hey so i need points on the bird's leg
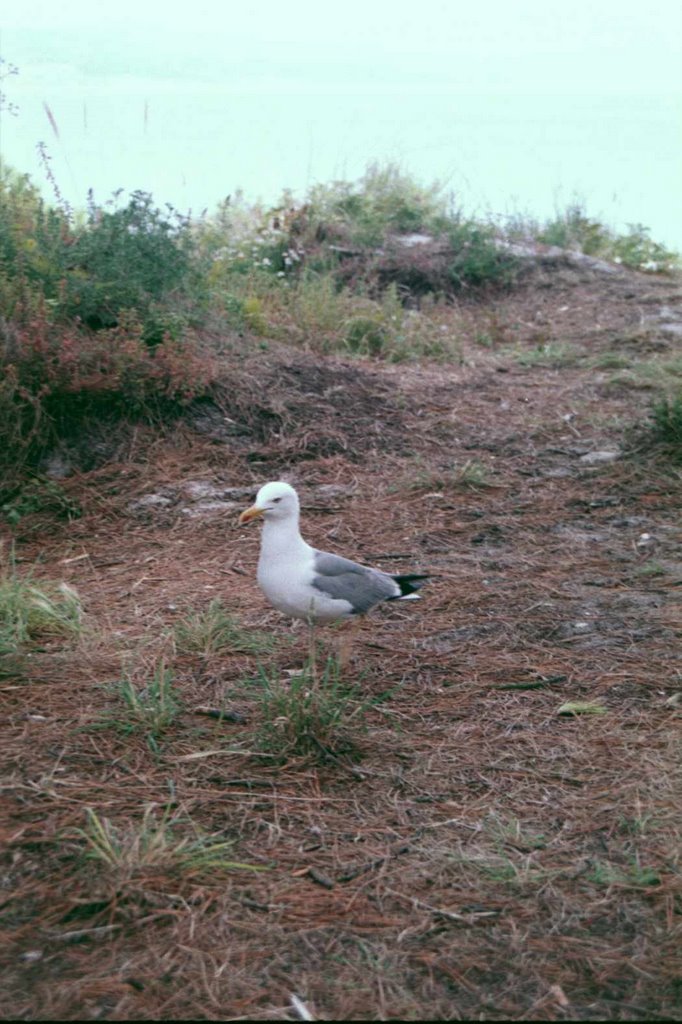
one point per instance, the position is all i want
(345, 649)
(312, 652)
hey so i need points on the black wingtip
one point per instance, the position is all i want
(410, 583)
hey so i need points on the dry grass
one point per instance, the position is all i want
(482, 855)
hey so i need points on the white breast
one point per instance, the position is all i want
(288, 587)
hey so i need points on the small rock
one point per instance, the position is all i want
(568, 630)
(621, 521)
(58, 466)
(195, 490)
(331, 491)
(671, 329)
(581, 259)
(668, 313)
(597, 458)
(31, 956)
(238, 493)
(645, 541)
(199, 490)
(204, 508)
(409, 241)
(150, 501)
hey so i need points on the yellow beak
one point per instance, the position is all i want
(249, 514)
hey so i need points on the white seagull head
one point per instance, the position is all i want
(275, 500)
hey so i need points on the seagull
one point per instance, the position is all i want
(313, 585)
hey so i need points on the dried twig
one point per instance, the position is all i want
(450, 915)
(300, 1009)
(362, 869)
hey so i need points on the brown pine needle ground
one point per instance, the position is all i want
(475, 854)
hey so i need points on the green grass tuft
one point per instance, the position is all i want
(666, 428)
(39, 494)
(149, 709)
(155, 844)
(470, 475)
(312, 716)
(31, 611)
(551, 354)
(215, 631)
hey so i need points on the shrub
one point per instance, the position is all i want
(238, 241)
(384, 201)
(636, 249)
(366, 335)
(93, 270)
(52, 362)
(57, 378)
(574, 229)
(477, 260)
(130, 258)
(33, 239)
(352, 234)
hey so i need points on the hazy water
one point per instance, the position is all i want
(193, 142)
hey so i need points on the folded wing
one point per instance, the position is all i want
(344, 580)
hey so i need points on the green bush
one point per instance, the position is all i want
(366, 335)
(33, 239)
(637, 250)
(573, 229)
(351, 232)
(477, 260)
(130, 258)
(90, 271)
(384, 201)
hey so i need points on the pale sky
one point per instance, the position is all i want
(514, 106)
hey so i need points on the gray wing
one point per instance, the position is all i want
(348, 581)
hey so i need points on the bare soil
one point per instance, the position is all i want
(484, 856)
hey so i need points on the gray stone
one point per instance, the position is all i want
(196, 490)
(410, 241)
(673, 329)
(332, 491)
(597, 458)
(205, 508)
(153, 501)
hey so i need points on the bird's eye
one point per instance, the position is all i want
(275, 500)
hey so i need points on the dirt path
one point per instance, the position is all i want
(483, 855)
